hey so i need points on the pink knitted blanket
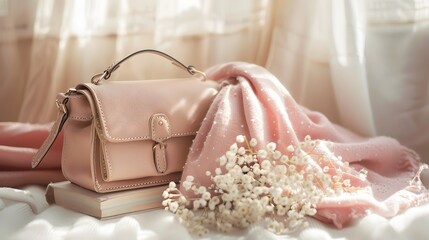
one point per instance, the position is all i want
(255, 104)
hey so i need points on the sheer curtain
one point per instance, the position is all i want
(48, 46)
(361, 63)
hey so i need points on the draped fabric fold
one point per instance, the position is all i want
(18, 144)
(255, 104)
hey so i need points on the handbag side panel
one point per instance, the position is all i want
(76, 162)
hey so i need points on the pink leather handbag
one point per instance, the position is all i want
(129, 134)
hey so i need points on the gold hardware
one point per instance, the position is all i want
(192, 70)
(98, 77)
(61, 106)
(70, 91)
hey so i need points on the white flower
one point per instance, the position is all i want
(256, 170)
(173, 206)
(215, 200)
(262, 153)
(240, 161)
(266, 164)
(196, 204)
(212, 206)
(182, 199)
(230, 165)
(257, 190)
(249, 158)
(311, 212)
(165, 202)
(187, 185)
(247, 191)
(230, 155)
(347, 183)
(245, 169)
(222, 160)
(284, 159)
(253, 142)
(234, 148)
(281, 211)
(269, 208)
(277, 155)
(241, 151)
(240, 139)
(307, 138)
(190, 178)
(271, 146)
(276, 192)
(202, 190)
(264, 200)
(172, 185)
(336, 178)
(280, 169)
(203, 202)
(165, 194)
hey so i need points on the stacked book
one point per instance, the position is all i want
(104, 205)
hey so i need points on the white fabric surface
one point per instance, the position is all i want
(18, 221)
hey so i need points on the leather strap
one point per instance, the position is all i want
(160, 132)
(160, 158)
(53, 134)
(108, 72)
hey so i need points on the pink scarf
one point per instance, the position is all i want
(255, 104)
(18, 143)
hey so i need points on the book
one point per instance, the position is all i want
(104, 205)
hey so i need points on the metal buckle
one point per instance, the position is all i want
(192, 70)
(62, 105)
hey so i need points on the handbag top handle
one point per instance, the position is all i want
(108, 72)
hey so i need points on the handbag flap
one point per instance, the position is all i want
(126, 109)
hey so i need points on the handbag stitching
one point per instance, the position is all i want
(145, 183)
(80, 118)
(157, 160)
(153, 128)
(98, 185)
(108, 162)
(184, 134)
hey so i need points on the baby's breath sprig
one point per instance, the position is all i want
(264, 185)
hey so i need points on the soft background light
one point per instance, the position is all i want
(362, 63)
